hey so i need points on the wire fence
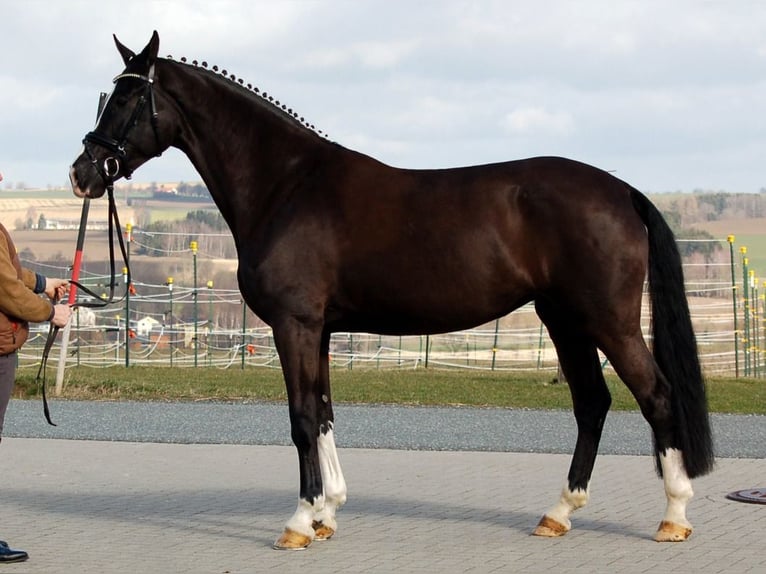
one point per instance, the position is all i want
(188, 323)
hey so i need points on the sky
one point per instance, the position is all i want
(669, 96)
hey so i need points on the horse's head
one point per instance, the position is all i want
(129, 130)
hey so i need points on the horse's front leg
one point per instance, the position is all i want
(300, 348)
(334, 483)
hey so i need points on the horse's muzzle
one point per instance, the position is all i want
(75, 184)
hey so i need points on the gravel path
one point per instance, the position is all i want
(361, 426)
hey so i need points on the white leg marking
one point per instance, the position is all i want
(303, 518)
(567, 504)
(678, 487)
(332, 479)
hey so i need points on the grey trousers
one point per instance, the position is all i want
(7, 380)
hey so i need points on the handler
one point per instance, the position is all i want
(20, 304)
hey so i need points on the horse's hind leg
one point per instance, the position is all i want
(590, 396)
(638, 370)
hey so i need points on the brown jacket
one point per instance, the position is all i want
(18, 303)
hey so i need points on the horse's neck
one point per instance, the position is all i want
(242, 149)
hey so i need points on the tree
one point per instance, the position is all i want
(27, 254)
(704, 243)
(31, 216)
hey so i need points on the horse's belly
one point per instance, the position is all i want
(422, 309)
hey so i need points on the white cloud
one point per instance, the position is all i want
(384, 54)
(642, 83)
(529, 120)
(25, 95)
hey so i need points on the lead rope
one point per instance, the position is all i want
(114, 221)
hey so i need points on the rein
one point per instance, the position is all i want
(114, 222)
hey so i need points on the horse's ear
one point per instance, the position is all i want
(154, 47)
(148, 55)
(126, 53)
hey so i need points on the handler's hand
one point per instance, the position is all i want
(56, 288)
(61, 314)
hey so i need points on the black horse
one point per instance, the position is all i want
(329, 240)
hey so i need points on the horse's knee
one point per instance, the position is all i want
(303, 429)
(590, 417)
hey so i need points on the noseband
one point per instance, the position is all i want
(110, 166)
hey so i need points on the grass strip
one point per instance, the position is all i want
(523, 390)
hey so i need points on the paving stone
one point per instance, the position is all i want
(119, 507)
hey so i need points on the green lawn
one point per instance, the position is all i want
(409, 387)
(756, 255)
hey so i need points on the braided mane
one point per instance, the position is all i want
(266, 97)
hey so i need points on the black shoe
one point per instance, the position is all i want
(9, 555)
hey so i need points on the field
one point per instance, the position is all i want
(62, 208)
(750, 233)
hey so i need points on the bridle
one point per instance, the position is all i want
(109, 168)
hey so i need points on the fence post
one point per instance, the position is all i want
(754, 323)
(172, 334)
(79, 337)
(193, 247)
(209, 322)
(117, 345)
(746, 311)
(763, 326)
(494, 343)
(127, 316)
(244, 330)
(730, 239)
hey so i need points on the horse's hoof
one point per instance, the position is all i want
(672, 532)
(292, 540)
(322, 531)
(550, 528)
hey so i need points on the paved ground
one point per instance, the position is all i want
(120, 507)
(362, 426)
(206, 487)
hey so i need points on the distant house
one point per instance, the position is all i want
(144, 326)
(66, 224)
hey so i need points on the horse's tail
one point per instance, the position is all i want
(674, 346)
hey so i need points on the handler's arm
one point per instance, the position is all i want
(16, 299)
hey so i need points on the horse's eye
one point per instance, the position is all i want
(121, 100)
